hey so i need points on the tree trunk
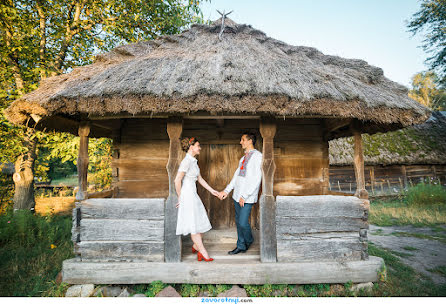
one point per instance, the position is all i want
(24, 174)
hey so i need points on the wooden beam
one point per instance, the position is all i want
(172, 242)
(75, 271)
(268, 242)
(331, 125)
(82, 160)
(358, 162)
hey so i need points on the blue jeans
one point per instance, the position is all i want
(244, 234)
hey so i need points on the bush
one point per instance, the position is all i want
(426, 194)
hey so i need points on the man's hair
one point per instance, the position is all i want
(250, 135)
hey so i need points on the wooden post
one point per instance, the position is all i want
(116, 154)
(358, 162)
(172, 242)
(403, 171)
(82, 161)
(268, 241)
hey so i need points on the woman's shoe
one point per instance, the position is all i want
(193, 249)
(200, 257)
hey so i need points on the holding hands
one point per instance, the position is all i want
(222, 195)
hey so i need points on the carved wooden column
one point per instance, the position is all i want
(268, 241)
(82, 160)
(172, 242)
(358, 162)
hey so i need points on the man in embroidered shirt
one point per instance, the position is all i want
(246, 184)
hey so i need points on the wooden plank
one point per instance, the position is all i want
(299, 225)
(125, 230)
(153, 188)
(123, 208)
(80, 272)
(338, 249)
(148, 149)
(122, 251)
(321, 206)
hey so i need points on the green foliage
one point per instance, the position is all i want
(431, 21)
(6, 192)
(424, 194)
(32, 248)
(426, 89)
(39, 39)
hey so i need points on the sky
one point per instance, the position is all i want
(372, 30)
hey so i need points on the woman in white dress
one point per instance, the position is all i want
(192, 216)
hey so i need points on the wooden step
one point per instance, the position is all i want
(227, 235)
(219, 252)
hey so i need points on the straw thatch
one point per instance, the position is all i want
(244, 73)
(423, 144)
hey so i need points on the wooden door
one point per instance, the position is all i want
(218, 163)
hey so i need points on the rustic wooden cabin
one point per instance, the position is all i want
(393, 161)
(213, 82)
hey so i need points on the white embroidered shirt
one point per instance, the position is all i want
(247, 178)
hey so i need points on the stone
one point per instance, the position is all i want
(124, 293)
(108, 291)
(84, 290)
(235, 291)
(203, 294)
(169, 291)
(139, 295)
(366, 286)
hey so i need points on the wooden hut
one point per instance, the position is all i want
(213, 82)
(393, 161)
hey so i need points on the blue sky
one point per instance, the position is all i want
(372, 30)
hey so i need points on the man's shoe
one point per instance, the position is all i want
(247, 246)
(236, 250)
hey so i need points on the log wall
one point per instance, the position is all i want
(321, 228)
(141, 154)
(119, 229)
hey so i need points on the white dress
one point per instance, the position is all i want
(192, 216)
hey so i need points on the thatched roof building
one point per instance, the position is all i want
(244, 73)
(420, 144)
(198, 83)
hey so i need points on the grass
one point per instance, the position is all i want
(32, 248)
(437, 237)
(410, 248)
(67, 181)
(423, 205)
(439, 269)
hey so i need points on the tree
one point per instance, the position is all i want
(431, 19)
(426, 90)
(45, 38)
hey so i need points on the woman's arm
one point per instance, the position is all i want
(178, 180)
(206, 185)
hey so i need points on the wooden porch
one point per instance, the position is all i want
(244, 268)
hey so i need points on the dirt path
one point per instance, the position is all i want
(419, 253)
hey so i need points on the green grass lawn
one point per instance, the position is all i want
(66, 181)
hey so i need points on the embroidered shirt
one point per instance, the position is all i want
(247, 178)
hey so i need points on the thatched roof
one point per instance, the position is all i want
(420, 144)
(244, 73)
